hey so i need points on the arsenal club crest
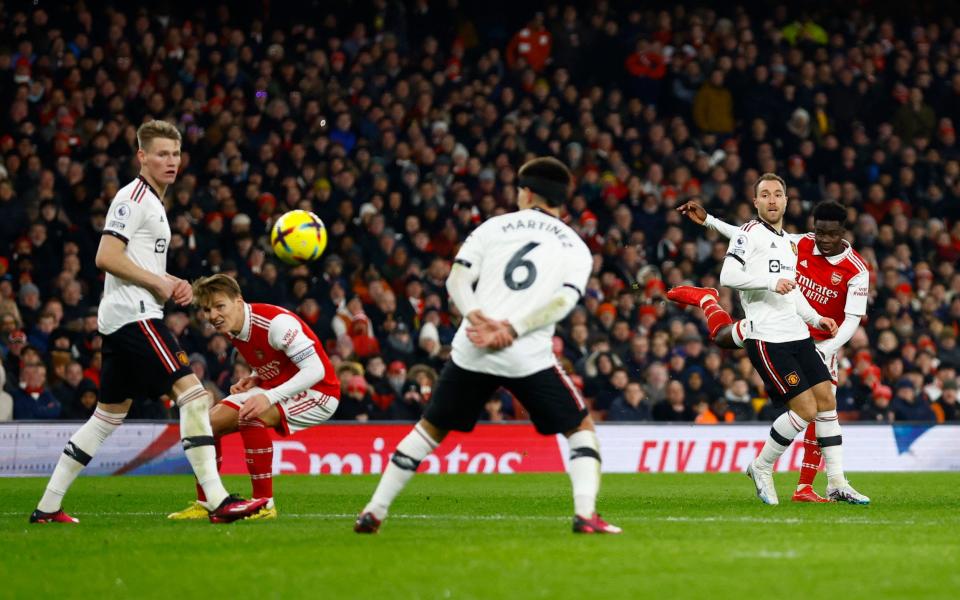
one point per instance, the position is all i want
(794, 248)
(835, 278)
(259, 354)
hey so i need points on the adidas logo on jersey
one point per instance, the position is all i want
(803, 263)
(773, 245)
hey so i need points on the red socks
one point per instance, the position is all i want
(200, 495)
(258, 449)
(717, 318)
(811, 456)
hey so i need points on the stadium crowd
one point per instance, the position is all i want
(402, 124)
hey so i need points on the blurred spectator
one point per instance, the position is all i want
(632, 405)
(908, 405)
(408, 405)
(877, 409)
(32, 400)
(946, 407)
(673, 406)
(531, 45)
(739, 401)
(355, 404)
(713, 106)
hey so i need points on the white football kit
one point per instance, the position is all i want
(520, 260)
(136, 216)
(765, 257)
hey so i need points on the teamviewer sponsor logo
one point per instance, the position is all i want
(774, 266)
(160, 246)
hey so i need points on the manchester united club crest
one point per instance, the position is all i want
(835, 278)
(182, 357)
(793, 379)
(793, 247)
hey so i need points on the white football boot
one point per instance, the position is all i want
(763, 480)
(846, 493)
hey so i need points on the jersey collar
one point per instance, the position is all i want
(771, 229)
(244, 335)
(836, 258)
(150, 187)
(538, 209)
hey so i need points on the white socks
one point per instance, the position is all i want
(584, 471)
(81, 448)
(828, 435)
(737, 332)
(196, 435)
(412, 449)
(784, 429)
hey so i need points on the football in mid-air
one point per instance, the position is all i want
(298, 237)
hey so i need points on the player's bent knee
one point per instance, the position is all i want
(192, 394)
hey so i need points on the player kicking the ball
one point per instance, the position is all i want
(140, 356)
(835, 279)
(762, 263)
(293, 385)
(530, 269)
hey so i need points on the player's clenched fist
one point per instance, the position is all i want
(828, 325)
(785, 286)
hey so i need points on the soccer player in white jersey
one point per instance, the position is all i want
(140, 356)
(761, 263)
(835, 279)
(530, 269)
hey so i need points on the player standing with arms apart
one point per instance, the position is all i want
(834, 278)
(140, 356)
(761, 263)
(530, 269)
(293, 385)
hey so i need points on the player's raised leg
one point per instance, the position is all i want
(723, 331)
(77, 454)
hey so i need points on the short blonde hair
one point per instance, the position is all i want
(152, 130)
(205, 287)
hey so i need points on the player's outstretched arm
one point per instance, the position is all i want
(699, 215)
(810, 314)
(844, 334)
(112, 258)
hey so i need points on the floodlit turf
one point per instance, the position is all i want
(490, 536)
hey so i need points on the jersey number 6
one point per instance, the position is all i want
(517, 261)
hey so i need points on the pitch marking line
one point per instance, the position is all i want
(623, 518)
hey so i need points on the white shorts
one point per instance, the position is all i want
(306, 409)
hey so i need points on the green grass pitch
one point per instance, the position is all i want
(490, 536)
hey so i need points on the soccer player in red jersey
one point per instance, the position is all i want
(835, 280)
(293, 385)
